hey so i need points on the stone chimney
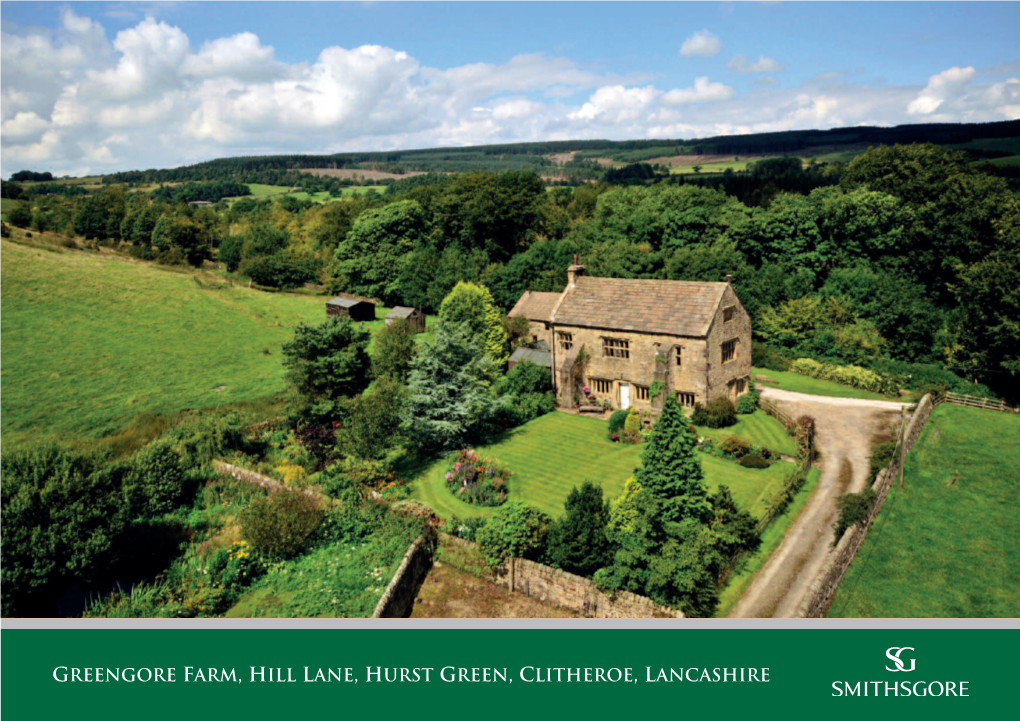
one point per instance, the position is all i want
(574, 272)
(729, 278)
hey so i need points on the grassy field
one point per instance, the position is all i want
(797, 383)
(760, 429)
(7, 204)
(558, 451)
(91, 342)
(946, 545)
(734, 165)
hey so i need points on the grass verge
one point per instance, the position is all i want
(770, 540)
(788, 381)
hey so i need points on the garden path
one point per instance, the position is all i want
(843, 430)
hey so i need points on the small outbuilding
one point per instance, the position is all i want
(412, 315)
(354, 308)
(538, 357)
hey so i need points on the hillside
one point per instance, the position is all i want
(91, 342)
(549, 158)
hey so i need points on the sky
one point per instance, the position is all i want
(97, 87)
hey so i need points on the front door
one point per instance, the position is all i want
(624, 396)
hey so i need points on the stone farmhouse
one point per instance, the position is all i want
(693, 338)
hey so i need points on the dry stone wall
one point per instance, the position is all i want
(826, 583)
(569, 591)
(398, 599)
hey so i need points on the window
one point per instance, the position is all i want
(727, 314)
(642, 392)
(602, 386)
(566, 340)
(615, 348)
(679, 355)
(685, 399)
(739, 386)
(729, 350)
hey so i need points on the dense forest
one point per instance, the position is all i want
(903, 260)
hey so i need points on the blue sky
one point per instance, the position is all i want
(93, 87)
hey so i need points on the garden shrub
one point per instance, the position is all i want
(882, 455)
(527, 407)
(852, 376)
(525, 377)
(516, 530)
(754, 462)
(279, 525)
(700, 415)
(735, 446)
(466, 528)
(721, 413)
(617, 421)
(853, 509)
(748, 402)
(477, 480)
(762, 356)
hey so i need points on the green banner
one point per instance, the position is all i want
(509, 673)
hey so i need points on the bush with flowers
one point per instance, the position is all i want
(477, 480)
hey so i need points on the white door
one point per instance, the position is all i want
(624, 396)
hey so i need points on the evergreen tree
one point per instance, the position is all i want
(393, 350)
(473, 304)
(327, 362)
(623, 511)
(670, 471)
(450, 403)
(495, 333)
(578, 542)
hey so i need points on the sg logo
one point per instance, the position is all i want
(893, 654)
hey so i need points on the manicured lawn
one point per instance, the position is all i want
(760, 429)
(946, 545)
(558, 451)
(797, 383)
(89, 343)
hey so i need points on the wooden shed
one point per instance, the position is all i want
(412, 315)
(355, 309)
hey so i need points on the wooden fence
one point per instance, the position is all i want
(961, 399)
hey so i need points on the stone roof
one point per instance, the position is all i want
(667, 307)
(535, 306)
(539, 358)
(400, 312)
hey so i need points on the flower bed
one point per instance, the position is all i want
(477, 480)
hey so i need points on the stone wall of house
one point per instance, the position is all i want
(637, 370)
(569, 591)
(694, 364)
(823, 589)
(722, 375)
(540, 331)
(397, 600)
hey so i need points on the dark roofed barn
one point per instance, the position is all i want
(412, 315)
(357, 310)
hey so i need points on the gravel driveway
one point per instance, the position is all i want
(843, 429)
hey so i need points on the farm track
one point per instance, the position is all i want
(844, 427)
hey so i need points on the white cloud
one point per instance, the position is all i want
(703, 91)
(701, 43)
(941, 87)
(616, 104)
(72, 102)
(24, 126)
(764, 65)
